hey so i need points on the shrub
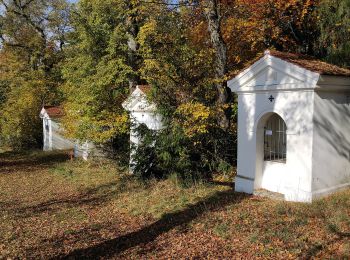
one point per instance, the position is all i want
(192, 147)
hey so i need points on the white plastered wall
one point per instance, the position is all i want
(58, 141)
(331, 156)
(316, 111)
(141, 112)
(292, 90)
(47, 141)
(292, 178)
(52, 134)
(152, 120)
(53, 139)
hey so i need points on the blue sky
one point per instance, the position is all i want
(74, 1)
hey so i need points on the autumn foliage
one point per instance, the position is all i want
(88, 56)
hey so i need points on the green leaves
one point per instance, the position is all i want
(33, 34)
(334, 24)
(96, 72)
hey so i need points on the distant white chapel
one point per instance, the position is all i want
(142, 111)
(53, 138)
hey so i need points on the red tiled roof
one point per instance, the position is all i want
(311, 63)
(306, 62)
(54, 111)
(144, 88)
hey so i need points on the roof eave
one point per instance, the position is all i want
(333, 83)
(310, 78)
(235, 83)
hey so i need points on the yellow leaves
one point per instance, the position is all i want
(149, 28)
(198, 33)
(306, 8)
(110, 125)
(99, 129)
(19, 114)
(194, 118)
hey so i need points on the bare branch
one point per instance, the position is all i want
(22, 14)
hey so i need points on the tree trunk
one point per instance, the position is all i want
(133, 30)
(213, 18)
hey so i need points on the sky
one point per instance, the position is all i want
(75, 1)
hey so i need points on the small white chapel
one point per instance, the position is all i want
(293, 126)
(141, 111)
(53, 138)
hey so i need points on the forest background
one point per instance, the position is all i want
(88, 56)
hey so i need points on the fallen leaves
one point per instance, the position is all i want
(94, 212)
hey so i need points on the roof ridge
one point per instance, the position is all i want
(310, 63)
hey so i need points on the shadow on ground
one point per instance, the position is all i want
(92, 197)
(11, 162)
(149, 233)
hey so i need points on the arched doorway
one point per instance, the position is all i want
(271, 157)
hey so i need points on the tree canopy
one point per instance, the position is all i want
(88, 56)
(32, 37)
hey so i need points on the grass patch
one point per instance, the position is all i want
(222, 230)
(71, 214)
(52, 207)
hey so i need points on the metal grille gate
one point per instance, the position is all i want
(275, 139)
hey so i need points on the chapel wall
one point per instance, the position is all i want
(331, 147)
(296, 110)
(59, 142)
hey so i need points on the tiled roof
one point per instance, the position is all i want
(144, 88)
(307, 62)
(310, 63)
(54, 111)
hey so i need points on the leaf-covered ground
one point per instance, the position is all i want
(54, 208)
